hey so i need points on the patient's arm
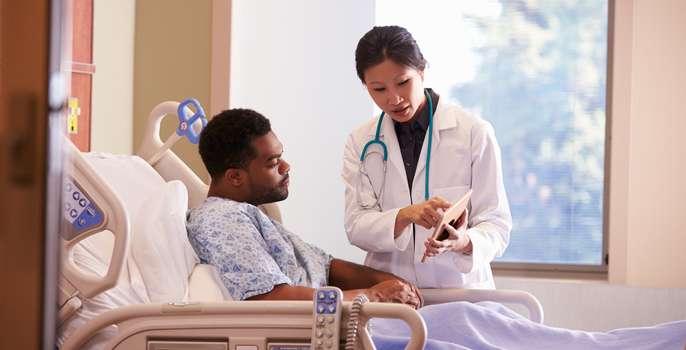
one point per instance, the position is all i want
(285, 292)
(356, 279)
(391, 291)
(353, 279)
(347, 275)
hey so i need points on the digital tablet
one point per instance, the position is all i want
(450, 216)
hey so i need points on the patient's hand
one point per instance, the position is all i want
(396, 291)
(377, 285)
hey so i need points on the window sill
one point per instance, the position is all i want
(551, 272)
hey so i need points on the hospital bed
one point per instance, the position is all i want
(129, 278)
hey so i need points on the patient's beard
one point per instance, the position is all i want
(261, 194)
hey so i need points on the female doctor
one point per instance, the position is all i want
(435, 153)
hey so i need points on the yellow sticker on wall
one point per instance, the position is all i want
(73, 112)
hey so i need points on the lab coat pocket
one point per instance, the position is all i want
(447, 273)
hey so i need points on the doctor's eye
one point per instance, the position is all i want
(404, 82)
(379, 89)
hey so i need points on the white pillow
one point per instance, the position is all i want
(130, 176)
(161, 258)
(206, 285)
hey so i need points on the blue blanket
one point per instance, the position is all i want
(487, 325)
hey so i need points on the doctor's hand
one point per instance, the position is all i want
(457, 240)
(423, 214)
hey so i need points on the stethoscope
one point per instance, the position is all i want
(362, 170)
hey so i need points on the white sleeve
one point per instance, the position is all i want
(489, 217)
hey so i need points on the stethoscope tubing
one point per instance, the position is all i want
(385, 157)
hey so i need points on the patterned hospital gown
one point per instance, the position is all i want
(252, 252)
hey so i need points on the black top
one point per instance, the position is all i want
(411, 139)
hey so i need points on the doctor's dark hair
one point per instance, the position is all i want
(226, 141)
(392, 42)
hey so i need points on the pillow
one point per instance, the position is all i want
(130, 176)
(161, 258)
(206, 285)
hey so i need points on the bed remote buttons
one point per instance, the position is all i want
(77, 208)
(327, 318)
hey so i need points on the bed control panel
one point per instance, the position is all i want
(79, 211)
(326, 327)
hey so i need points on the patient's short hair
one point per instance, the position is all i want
(226, 141)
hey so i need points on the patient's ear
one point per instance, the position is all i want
(235, 177)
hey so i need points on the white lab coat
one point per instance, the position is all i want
(464, 155)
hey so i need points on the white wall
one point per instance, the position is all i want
(657, 233)
(647, 186)
(294, 62)
(112, 95)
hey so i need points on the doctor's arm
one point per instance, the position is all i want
(489, 217)
(482, 233)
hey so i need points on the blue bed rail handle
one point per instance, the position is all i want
(185, 124)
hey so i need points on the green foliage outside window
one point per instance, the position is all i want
(541, 83)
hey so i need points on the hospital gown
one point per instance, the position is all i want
(252, 252)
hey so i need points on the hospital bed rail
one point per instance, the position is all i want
(516, 297)
(233, 323)
(163, 160)
(83, 199)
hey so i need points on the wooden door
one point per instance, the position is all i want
(27, 176)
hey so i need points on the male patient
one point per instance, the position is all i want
(256, 257)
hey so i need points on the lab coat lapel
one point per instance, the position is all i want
(441, 121)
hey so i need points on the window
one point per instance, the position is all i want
(536, 70)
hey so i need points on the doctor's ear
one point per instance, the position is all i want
(235, 177)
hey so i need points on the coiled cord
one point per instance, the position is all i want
(354, 320)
